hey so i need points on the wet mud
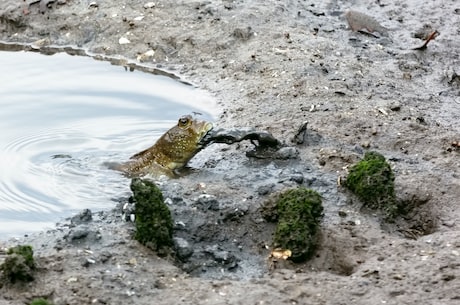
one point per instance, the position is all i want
(272, 66)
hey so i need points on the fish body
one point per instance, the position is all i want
(171, 151)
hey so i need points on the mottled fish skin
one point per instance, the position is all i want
(359, 21)
(172, 150)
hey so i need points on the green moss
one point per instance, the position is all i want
(19, 264)
(372, 180)
(154, 223)
(26, 252)
(40, 301)
(298, 211)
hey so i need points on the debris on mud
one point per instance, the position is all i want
(360, 22)
(429, 38)
(424, 32)
(266, 146)
(455, 144)
(452, 78)
(372, 181)
(418, 216)
(299, 137)
(297, 213)
(43, 5)
(153, 219)
(234, 135)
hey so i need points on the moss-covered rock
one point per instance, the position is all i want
(154, 225)
(19, 265)
(298, 212)
(372, 180)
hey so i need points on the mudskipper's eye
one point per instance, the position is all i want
(183, 121)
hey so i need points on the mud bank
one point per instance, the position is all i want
(273, 65)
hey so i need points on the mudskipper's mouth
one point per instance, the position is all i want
(207, 136)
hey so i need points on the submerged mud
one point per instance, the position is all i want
(272, 66)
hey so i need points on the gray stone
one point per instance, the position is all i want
(183, 248)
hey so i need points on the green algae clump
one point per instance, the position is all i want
(372, 181)
(19, 265)
(154, 223)
(298, 212)
(40, 301)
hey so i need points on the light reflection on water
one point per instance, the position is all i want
(61, 117)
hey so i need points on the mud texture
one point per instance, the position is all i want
(271, 65)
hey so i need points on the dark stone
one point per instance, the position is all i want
(243, 33)
(297, 178)
(286, 153)
(220, 256)
(265, 189)
(209, 202)
(78, 233)
(183, 248)
(105, 256)
(84, 216)
(82, 234)
(292, 175)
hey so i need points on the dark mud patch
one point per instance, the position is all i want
(216, 236)
(12, 19)
(418, 213)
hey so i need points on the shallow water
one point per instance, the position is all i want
(61, 117)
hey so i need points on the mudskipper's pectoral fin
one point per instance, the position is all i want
(121, 167)
(117, 166)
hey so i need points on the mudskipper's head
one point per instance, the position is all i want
(179, 144)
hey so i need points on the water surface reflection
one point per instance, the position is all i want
(61, 117)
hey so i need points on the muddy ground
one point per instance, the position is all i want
(272, 65)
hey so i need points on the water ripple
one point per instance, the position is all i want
(55, 138)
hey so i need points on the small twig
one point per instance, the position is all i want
(431, 37)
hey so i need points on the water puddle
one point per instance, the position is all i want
(61, 117)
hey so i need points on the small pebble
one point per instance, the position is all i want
(133, 261)
(87, 262)
(287, 153)
(397, 277)
(123, 40)
(395, 106)
(149, 5)
(183, 248)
